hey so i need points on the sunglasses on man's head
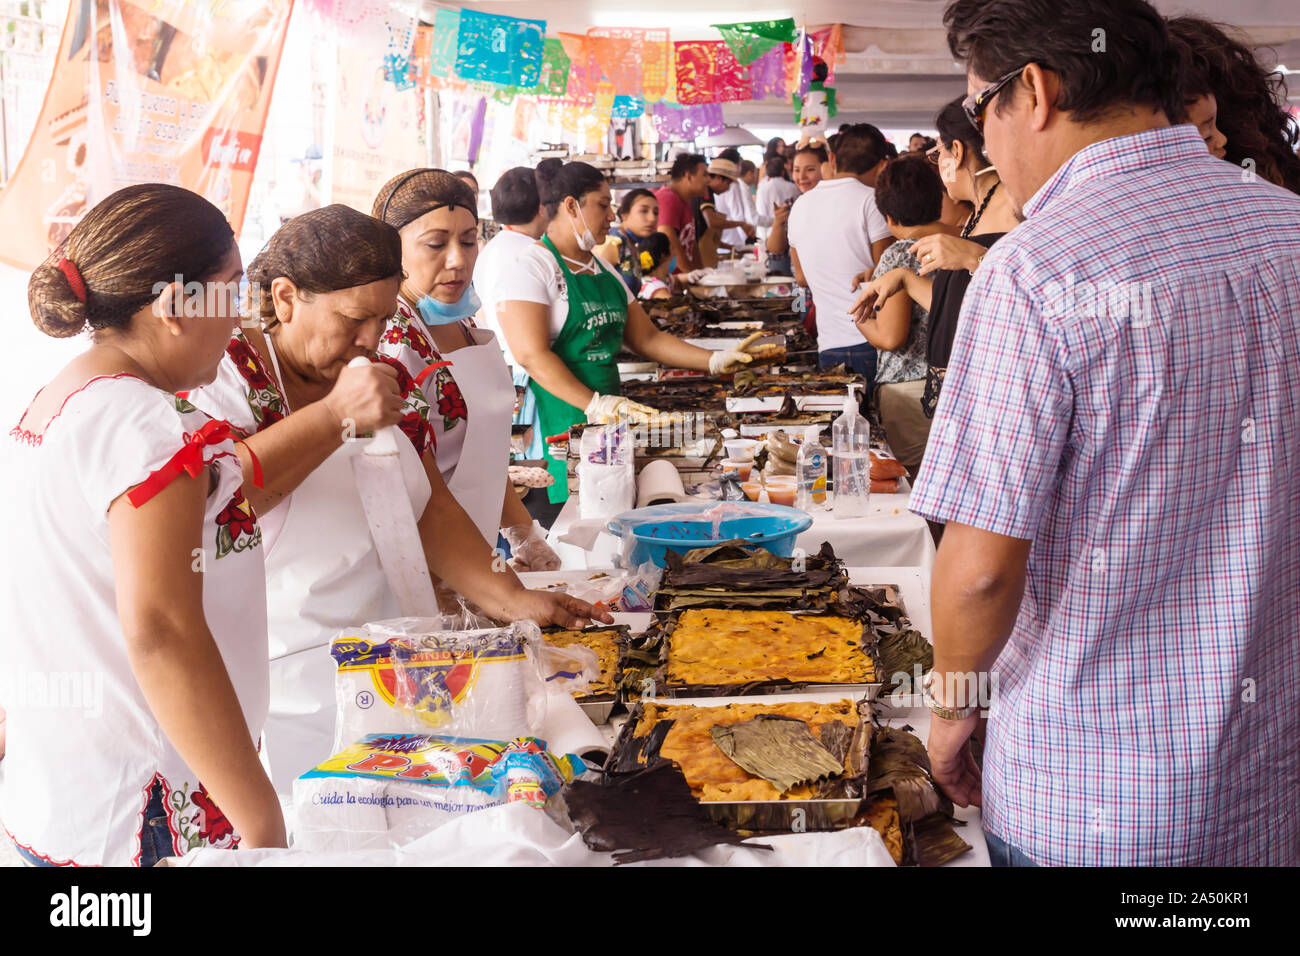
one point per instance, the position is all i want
(975, 104)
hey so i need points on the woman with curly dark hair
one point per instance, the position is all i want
(1222, 72)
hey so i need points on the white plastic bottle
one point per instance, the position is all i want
(851, 449)
(810, 472)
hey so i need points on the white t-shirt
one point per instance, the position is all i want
(537, 278)
(496, 261)
(832, 227)
(772, 193)
(737, 204)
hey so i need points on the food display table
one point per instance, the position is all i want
(888, 536)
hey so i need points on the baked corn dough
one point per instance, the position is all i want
(711, 774)
(735, 646)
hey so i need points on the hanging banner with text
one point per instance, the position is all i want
(174, 93)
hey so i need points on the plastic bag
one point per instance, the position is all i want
(387, 789)
(606, 472)
(570, 669)
(415, 675)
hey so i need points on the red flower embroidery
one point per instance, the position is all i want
(416, 429)
(248, 363)
(216, 827)
(451, 404)
(238, 516)
(400, 331)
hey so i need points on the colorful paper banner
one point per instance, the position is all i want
(554, 77)
(618, 51)
(503, 50)
(828, 43)
(769, 76)
(749, 41)
(674, 122)
(442, 52)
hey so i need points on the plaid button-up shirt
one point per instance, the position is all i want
(1124, 390)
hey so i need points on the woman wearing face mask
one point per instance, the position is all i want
(119, 493)
(459, 367)
(947, 262)
(324, 288)
(568, 313)
(808, 162)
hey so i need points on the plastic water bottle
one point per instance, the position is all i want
(810, 469)
(851, 448)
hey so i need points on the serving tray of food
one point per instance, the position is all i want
(597, 700)
(684, 733)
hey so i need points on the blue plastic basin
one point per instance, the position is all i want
(656, 530)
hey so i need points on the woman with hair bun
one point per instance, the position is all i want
(136, 560)
(324, 289)
(460, 367)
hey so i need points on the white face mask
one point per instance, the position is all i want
(947, 169)
(586, 241)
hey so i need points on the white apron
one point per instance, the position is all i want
(479, 480)
(322, 575)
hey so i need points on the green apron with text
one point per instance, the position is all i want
(591, 337)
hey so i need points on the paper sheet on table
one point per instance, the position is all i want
(568, 730)
(583, 533)
(518, 835)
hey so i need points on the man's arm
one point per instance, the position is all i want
(879, 246)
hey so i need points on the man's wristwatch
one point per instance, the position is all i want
(938, 709)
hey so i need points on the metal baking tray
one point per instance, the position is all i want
(782, 816)
(635, 670)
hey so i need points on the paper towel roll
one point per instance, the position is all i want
(659, 482)
(567, 730)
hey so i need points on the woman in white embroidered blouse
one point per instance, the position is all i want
(121, 494)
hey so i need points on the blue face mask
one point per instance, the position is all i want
(672, 265)
(435, 312)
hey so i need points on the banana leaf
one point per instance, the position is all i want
(899, 764)
(648, 814)
(781, 750)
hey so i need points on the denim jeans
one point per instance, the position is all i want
(155, 835)
(1002, 853)
(859, 358)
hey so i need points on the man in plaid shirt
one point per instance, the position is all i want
(1116, 456)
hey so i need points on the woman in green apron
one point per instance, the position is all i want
(566, 314)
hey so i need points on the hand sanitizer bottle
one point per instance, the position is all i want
(810, 469)
(851, 449)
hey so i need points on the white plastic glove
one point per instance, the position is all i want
(691, 278)
(728, 360)
(528, 548)
(603, 409)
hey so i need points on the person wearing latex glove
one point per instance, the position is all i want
(528, 548)
(566, 315)
(726, 361)
(603, 409)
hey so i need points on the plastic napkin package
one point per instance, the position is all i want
(407, 676)
(388, 789)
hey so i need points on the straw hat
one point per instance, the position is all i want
(724, 167)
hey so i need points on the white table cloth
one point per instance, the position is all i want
(888, 536)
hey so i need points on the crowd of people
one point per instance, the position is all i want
(1076, 304)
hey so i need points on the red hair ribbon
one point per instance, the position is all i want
(419, 379)
(73, 275)
(189, 460)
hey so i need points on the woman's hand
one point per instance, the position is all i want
(368, 395)
(551, 608)
(876, 292)
(942, 251)
(529, 549)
